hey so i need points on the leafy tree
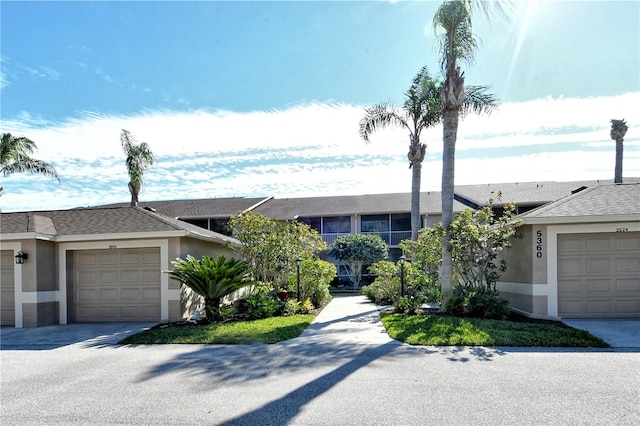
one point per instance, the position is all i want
(15, 157)
(426, 251)
(139, 159)
(213, 280)
(356, 251)
(271, 247)
(477, 239)
(618, 131)
(452, 23)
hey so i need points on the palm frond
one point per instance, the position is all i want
(478, 100)
(378, 117)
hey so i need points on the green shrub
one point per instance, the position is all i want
(385, 289)
(211, 279)
(479, 302)
(315, 278)
(408, 304)
(305, 306)
(288, 307)
(259, 305)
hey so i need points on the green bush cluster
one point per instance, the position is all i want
(479, 302)
(385, 289)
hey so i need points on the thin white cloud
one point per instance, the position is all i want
(315, 149)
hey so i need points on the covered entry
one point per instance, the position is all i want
(116, 285)
(7, 289)
(599, 275)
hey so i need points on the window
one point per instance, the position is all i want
(375, 223)
(401, 222)
(313, 222)
(336, 225)
(219, 226)
(202, 223)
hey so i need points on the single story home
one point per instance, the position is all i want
(579, 257)
(96, 265)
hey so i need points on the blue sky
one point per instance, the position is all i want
(264, 98)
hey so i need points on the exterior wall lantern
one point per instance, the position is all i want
(402, 260)
(21, 257)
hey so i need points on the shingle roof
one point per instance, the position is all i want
(94, 221)
(290, 208)
(199, 208)
(612, 201)
(527, 193)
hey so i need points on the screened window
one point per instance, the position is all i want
(401, 222)
(313, 222)
(375, 223)
(336, 225)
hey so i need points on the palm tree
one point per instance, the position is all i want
(452, 22)
(422, 109)
(211, 279)
(618, 130)
(139, 158)
(15, 157)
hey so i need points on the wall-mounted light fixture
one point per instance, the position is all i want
(21, 257)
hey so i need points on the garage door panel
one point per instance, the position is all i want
(599, 275)
(623, 243)
(598, 265)
(108, 259)
(628, 307)
(598, 307)
(628, 264)
(121, 285)
(130, 276)
(7, 288)
(568, 245)
(628, 286)
(570, 267)
(108, 277)
(598, 244)
(598, 287)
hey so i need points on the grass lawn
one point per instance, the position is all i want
(440, 330)
(269, 330)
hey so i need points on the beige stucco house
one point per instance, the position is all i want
(579, 256)
(96, 265)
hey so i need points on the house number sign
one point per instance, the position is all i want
(112, 246)
(539, 244)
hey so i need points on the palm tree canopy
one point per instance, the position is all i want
(15, 157)
(139, 157)
(452, 24)
(618, 129)
(421, 109)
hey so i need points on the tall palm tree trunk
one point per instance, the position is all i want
(450, 131)
(415, 200)
(618, 170)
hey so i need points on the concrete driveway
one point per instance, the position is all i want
(57, 336)
(619, 333)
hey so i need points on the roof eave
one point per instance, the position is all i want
(578, 219)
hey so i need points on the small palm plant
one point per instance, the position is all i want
(211, 279)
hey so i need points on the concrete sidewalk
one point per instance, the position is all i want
(348, 319)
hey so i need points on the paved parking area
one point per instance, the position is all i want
(343, 370)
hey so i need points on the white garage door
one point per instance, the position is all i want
(7, 289)
(116, 285)
(599, 275)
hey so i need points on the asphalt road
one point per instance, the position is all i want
(341, 372)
